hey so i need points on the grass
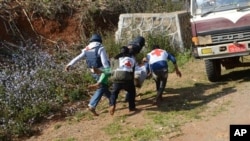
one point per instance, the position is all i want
(146, 133)
(57, 126)
(222, 108)
(160, 124)
(112, 128)
(35, 85)
(193, 101)
(68, 139)
(185, 102)
(120, 129)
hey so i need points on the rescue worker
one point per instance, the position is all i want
(123, 79)
(158, 63)
(96, 58)
(135, 46)
(141, 73)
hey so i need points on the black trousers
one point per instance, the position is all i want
(127, 86)
(160, 77)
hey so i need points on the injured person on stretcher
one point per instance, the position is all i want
(141, 73)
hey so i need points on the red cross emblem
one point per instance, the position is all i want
(128, 64)
(87, 48)
(157, 52)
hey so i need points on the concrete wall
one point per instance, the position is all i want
(174, 25)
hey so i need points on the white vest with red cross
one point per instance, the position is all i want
(157, 59)
(157, 55)
(126, 64)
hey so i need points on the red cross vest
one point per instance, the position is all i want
(126, 64)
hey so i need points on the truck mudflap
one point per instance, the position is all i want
(222, 50)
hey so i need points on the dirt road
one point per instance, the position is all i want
(217, 128)
(226, 102)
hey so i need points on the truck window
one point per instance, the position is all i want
(202, 6)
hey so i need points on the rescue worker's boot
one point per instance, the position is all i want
(92, 110)
(112, 110)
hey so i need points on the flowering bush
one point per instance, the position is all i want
(33, 86)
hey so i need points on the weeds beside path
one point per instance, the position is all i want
(192, 109)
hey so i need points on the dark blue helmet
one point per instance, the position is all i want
(155, 47)
(139, 40)
(137, 44)
(96, 38)
(124, 50)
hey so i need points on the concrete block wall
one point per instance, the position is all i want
(173, 25)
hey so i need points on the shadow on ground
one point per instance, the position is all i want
(239, 75)
(188, 98)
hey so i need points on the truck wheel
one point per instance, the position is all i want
(213, 70)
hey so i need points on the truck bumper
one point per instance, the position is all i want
(222, 50)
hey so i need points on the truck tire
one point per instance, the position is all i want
(213, 70)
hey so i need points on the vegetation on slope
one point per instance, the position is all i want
(37, 41)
